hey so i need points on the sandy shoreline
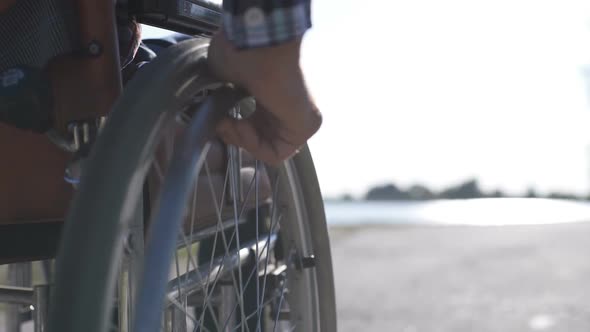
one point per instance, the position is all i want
(462, 278)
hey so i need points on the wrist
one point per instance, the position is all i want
(272, 74)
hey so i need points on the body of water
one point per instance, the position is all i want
(483, 212)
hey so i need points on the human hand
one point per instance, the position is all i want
(286, 116)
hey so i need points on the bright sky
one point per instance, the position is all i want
(434, 92)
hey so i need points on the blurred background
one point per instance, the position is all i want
(455, 161)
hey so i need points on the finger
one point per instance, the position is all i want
(226, 132)
(248, 135)
(258, 142)
(295, 126)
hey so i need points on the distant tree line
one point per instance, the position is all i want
(467, 189)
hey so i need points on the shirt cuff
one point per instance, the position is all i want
(262, 23)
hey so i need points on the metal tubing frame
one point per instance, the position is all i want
(16, 295)
(41, 295)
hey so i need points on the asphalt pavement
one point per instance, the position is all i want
(463, 279)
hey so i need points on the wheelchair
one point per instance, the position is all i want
(120, 210)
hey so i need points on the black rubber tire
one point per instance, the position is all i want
(91, 245)
(318, 228)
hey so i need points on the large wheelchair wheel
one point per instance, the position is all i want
(170, 230)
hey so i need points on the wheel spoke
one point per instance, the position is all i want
(252, 274)
(179, 306)
(279, 306)
(262, 251)
(216, 269)
(235, 197)
(180, 297)
(219, 217)
(205, 306)
(192, 213)
(177, 274)
(272, 225)
(257, 221)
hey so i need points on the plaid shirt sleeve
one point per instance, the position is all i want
(259, 23)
